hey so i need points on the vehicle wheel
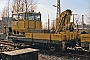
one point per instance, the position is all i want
(14, 32)
(52, 48)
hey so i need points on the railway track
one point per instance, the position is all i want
(45, 54)
(63, 55)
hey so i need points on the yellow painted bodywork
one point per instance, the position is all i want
(28, 35)
(32, 24)
(26, 23)
(38, 25)
(72, 36)
(20, 26)
(56, 37)
(43, 36)
(23, 25)
(85, 37)
(47, 36)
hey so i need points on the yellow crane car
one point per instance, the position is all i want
(29, 24)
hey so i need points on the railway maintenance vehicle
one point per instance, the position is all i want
(27, 27)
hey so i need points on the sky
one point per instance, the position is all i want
(45, 7)
(77, 7)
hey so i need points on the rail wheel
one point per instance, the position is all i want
(51, 47)
(14, 32)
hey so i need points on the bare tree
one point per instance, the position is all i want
(18, 6)
(24, 5)
(4, 12)
(32, 5)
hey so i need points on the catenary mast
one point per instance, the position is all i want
(58, 11)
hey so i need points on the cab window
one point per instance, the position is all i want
(37, 17)
(31, 16)
(15, 16)
(21, 16)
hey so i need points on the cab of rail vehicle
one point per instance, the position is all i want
(25, 21)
